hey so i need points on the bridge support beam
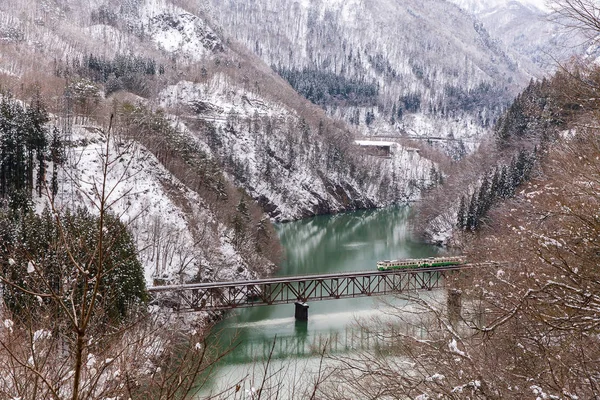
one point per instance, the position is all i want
(301, 313)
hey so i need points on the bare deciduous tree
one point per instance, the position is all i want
(59, 338)
(581, 16)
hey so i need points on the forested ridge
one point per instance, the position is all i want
(504, 162)
(383, 67)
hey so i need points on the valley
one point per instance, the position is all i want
(165, 142)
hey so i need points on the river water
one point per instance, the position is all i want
(268, 338)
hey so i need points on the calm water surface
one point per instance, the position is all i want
(324, 244)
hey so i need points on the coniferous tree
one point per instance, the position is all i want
(483, 200)
(495, 185)
(504, 183)
(513, 180)
(399, 114)
(240, 223)
(435, 177)
(369, 117)
(263, 235)
(471, 223)
(37, 143)
(56, 156)
(44, 244)
(462, 213)
(23, 145)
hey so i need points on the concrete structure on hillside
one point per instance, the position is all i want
(378, 148)
(382, 148)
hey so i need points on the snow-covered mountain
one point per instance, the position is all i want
(220, 114)
(159, 209)
(526, 27)
(480, 6)
(427, 60)
(214, 132)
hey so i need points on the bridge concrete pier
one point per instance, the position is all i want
(301, 313)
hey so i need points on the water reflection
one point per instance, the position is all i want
(352, 338)
(348, 242)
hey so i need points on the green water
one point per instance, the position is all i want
(324, 244)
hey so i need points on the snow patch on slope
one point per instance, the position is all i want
(216, 100)
(177, 31)
(157, 207)
(478, 6)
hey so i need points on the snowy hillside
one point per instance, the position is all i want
(179, 238)
(276, 156)
(218, 138)
(527, 28)
(421, 57)
(479, 6)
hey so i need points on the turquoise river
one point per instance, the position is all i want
(324, 244)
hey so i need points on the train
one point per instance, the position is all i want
(410, 263)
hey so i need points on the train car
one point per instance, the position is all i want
(410, 263)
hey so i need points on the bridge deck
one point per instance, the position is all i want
(291, 289)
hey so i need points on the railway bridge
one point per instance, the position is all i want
(300, 289)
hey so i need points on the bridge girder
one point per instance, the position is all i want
(244, 294)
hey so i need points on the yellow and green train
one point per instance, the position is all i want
(410, 263)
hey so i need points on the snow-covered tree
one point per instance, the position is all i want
(23, 146)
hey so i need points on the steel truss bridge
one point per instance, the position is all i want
(299, 289)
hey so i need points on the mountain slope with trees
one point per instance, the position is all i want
(414, 67)
(523, 321)
(502, 163)
(223, 109)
